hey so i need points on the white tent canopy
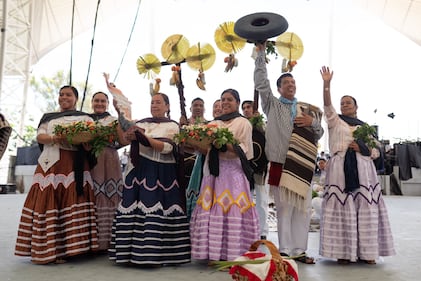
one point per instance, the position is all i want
(50, 22)
(53, 18)
(402, 15)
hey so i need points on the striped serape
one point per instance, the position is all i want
(299, 166)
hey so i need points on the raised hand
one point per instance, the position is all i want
(327, 77)
(261, 46)
(326, 73)
(111, 87)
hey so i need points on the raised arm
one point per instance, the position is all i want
(110, 86)
(261, 81)
(123, 103)
(327, 77)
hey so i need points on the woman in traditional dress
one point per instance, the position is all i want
(354, 224)
(106, 175)
(193, 188)
(58, 218)
(224, 222)
(193, 160)
(151, 227)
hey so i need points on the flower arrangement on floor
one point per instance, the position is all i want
(203, 135)
(94, 133)
(365, 133)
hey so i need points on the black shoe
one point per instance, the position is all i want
(263, 237)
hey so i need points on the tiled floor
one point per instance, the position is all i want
(405, 217)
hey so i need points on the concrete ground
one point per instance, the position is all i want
(404, 213)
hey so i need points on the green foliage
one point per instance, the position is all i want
(30, 135)
(223, 136)
(28, 138)
(257, 121)
(105, 135)
(48, 87)
(209, 133)
(366, 134)
(270, 48)
(97, 135)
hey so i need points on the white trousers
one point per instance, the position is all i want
(293, 224)
(262, 207)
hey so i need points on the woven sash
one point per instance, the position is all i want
(299, 166)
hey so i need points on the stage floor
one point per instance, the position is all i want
(405, 218)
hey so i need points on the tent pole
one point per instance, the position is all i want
(3, 44)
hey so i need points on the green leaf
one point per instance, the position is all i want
(366, 134)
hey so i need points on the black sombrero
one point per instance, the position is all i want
(259, 27)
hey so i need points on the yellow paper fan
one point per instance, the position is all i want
(290, 46)
(148, 63)
(226, 39)
(201, 56)
(174, 48)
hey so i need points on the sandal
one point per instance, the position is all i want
(305, 259)
(343, 261)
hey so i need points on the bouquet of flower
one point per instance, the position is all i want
(94, 133)
(257, 121)
(365, 133)
(203, 135)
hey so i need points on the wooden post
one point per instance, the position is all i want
(180, 88)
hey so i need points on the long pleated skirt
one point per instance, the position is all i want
(108, 189)
(56, 222)
(224, 222)
(150, 225)
(193, 189)
(354, 225)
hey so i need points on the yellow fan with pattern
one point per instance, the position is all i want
(290, 46)
(147, 64)
(227, 40)
(201, 56)
(174, 48)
